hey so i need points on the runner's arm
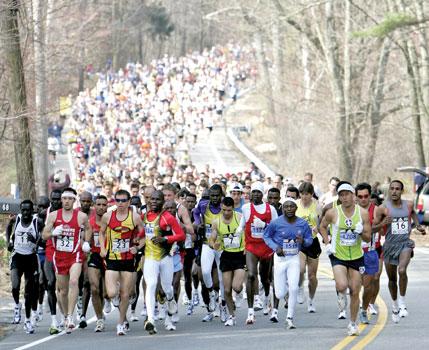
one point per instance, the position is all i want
(307, 236)
(141, 233)
(415, 219)
(102, 233)
(47, 231)
(178, 234)
(323, 228)
(380, 220)
(367, 230)
(269, 237)
(184, 215)
(213, 236)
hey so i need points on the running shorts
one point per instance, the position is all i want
(260, 250)
(357, 264)
(120, 265)
(96, 261)
(371, 259)
(24, 263)
(230, 261)
(314, 250)
(62, 264)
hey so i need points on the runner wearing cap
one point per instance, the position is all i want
(256, 215)
(285, 236)
(237, 195)
(349, 224)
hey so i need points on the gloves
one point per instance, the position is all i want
(359, 228)
(258, 223)
(329, 250)
(57, 231)
(86, 247)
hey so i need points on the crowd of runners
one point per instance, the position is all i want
(142, 218)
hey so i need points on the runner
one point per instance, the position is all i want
(23, 239)
(309, 210)
(121, 233)
(162, 230)
(273, 198)
(85, 199)
(372, 253)
(332, 194)
(256, 215)
(96, 268)
(237, 195)
(64, 226)
(397, 214)
(233, 260)
(349, 226)
(205, 213)
(285, 236)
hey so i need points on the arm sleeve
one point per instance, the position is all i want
(178, 233)
(268, 236)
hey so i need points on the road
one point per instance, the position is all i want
(321, 330)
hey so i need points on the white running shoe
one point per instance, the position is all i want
(301, 295)
(403, 311)
(149, 326)
(266, 309)
(311, 308)
(120, 329)
(40, 312)
(212, 303)
(208, 317)
(28, 327)
(185, 299)
(363, 316)
(395, 316)
(257, 303)
(69, 324)
(99, 326)
(342, 315)
(250, 318)
(238, 299)
(352, 329)
(162, 313)
(34, 318)
(274, 316)
(175, 318)
(79, 306)
(107, 309)
(195, 297)
(223, 313)
(289, 323)
(134, 317)
(126, 326)
(17, 314)
(230, 322)
(116, 301)
(144, 311)
(216, 312)
(372, 310)
(172, 307)
(190, 309)
(169, 326)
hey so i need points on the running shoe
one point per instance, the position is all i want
(223, 313)
(116, 301)
(126, 326)
(149, 327)
(250, 318)
(175, 318)
(99, 326)
(266, 305)
(301, 295)
(54, 329)
(208, 317)
(274, 316)
(212, 303)
(395, 316)
(172, 306)
(107, 306)
(82, 322)
(190, 309)
(120, 329)
(40, 312)
(28, 327)
(238, 299)
(195, 298)
(162, 311)
(311, 308)
(144, 311)
(79, 306)
(185, 299)
(69, 324)
(342, 315)
(257, 304)
(372, 310)
(403, 311)
(17, 314)
(352, 329)
(134, 317)
(34, 318)
(230, 322)
(289, 323)
(169, 326)
(363, 316)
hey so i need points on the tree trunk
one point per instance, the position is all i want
(17, 97)
(41, 127)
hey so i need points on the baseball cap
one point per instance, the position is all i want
(257, 186)
(236, 187)
(346, 187)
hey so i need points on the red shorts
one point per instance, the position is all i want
(261, 250)
(63, 263)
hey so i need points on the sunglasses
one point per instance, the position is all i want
(121, 200)
(363, 196)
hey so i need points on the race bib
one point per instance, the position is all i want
(65, 244)
(188, 241)
(256, 232)
(231, 241)
(121, 245)
(290, 247)
(21, 240)
(208, 230)
(400, 226)
(96, 239)
(348, 238)
(149, 231)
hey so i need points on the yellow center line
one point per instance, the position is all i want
(375, 330)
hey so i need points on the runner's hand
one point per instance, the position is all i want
(216, 245)
(159, 240)
(387, 220)
(133, 250)
(86, 247)
(58, 231)
(359, 228)
(258, 223)
(280, 252)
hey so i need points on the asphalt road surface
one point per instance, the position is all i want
(321, 330)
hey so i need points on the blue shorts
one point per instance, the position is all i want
(371, 260)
